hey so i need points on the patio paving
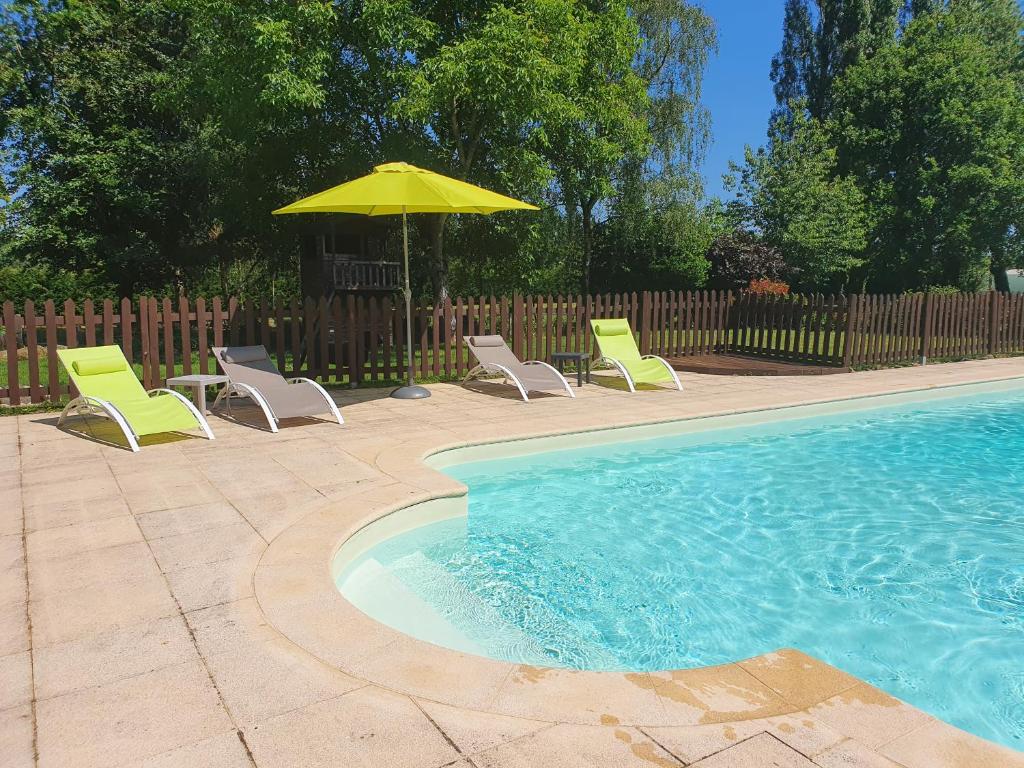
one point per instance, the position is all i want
(132, 632)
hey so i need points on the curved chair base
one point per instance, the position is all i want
(238, 389)
(629, 379)
(200, 418)
(669, 368)
(331, 405)
(495, 368)
(94, 406)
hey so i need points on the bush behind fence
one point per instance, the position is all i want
(361, 340)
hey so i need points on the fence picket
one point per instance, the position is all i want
(31, 343)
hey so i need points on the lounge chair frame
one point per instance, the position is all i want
(497, 368)
(239, 389)
(94, 406)
(629, 379)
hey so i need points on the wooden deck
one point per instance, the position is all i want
(742, 365)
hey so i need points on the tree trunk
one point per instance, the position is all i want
(1000, 278)
(438, 261)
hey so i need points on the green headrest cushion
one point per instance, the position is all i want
(99, 365)
(612, 329)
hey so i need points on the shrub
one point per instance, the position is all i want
(768, 287)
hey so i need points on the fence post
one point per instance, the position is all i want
(994, 300)
(852, 304)
(926, 327)
(147, 380)
(645, 323)
(517, 325)
(11, 339)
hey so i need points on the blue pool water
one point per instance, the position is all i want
(889, 543)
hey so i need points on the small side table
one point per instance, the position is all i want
(198, 382)
(581, 359)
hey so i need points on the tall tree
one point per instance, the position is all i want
(108, 178)
(933, 130)
(823, 38)
(791, 193)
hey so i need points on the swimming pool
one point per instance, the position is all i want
(887, 542)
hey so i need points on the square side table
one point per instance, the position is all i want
(198, 382)
(581, 359)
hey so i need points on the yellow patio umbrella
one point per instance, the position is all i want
(400, 188)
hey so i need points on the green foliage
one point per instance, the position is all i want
(39, 283)
(108, 179)
(791, 193)
(820, 40)
(148, 141)
(932, 128)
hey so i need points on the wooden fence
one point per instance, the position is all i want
(360, 340)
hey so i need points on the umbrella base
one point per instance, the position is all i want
(411, 393)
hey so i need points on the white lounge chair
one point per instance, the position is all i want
(252, 374)
(494, 357)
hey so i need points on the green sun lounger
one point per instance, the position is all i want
(617, 346)
(107, 386)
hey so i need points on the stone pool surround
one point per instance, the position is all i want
(131, 636)
(785, 690)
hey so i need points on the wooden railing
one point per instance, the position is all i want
(361, 340)
(367, 275)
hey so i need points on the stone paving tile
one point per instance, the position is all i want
(92, 489)
(14, 635)
(936, 745)
(852, 754)
(92, 568)
(12, 569)
(73, 539)
(208, 584)
(761, 751)
(474, 731)
(868, 715)
(236, 641)
(16, 738)
(799, 731)
(68, 511)
(578, 746)
(78, 613)
(15, 680)
(188, 519)
(166, 489)
(797, 677)
(156, 712)
(11, 515)
(100, 659)
(212, 545)
(367, 728)
(715, 694)
(272, 512)
(223, 751)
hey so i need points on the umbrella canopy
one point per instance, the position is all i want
(400, 188)
(396, 188)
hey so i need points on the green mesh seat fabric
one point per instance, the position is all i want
(103, 373)
(616, 343)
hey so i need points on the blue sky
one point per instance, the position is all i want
(737, 88)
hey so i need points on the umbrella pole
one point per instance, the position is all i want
(410, 391)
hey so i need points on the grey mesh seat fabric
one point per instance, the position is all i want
(252, 374)
(494, 357)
